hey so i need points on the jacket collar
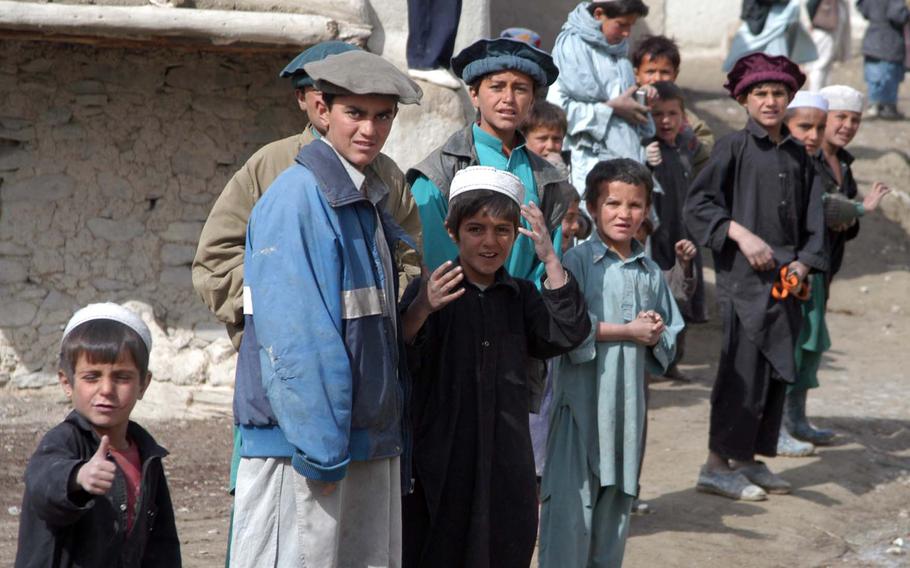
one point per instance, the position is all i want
(844, 156)
(461, 145)
(334, 181)
(148, 447)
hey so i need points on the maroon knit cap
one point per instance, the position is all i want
(760, 68)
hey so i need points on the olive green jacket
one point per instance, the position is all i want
(218, 265)
(705, 136)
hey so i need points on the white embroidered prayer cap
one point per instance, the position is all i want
(110, 311)
(842, 97)
(474, 178)
(808, 99)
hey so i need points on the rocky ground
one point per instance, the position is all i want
(851, 502)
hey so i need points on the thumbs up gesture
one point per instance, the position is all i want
(97, 475)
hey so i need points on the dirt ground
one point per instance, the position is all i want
(850, 502)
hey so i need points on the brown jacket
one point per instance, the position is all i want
(705, 136)
(218, 265)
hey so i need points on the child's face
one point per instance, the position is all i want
(668, 118)
(654, 70)
(570, 224)
(484, 243)
(105, 393)
(618, 214)
(504, 100)
(808, 126)
(767, 103)
(545, 140)
(307, 98)
(841, 127)
(615, 29)
(358, 125)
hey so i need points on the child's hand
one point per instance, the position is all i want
(645, 329)
(798, 268)
(436, 291)
(97, 475)
(628, 108)
(756, 251)
(685, 250)
(538, 232)
(652, 154)
(872, 200)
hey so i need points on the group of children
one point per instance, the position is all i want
(390, 427)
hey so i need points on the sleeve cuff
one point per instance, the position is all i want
(587, 351)
(662, 355)
(813, 261)
(311, 470)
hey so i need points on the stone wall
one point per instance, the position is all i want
(110, 161)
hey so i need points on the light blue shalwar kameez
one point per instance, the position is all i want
(433, 207)
(592, 72)
(782, 35)
(598, 411)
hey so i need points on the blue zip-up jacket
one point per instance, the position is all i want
(329, 348)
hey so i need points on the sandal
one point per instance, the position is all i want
(730, 484)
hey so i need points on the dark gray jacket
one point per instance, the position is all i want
(458, 152)
(62, 526)
(884, 37)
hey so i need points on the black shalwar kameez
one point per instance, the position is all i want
(474, 503)
(771, 190)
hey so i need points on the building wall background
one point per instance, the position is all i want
(111, 158)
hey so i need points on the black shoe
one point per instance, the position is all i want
(890, 112)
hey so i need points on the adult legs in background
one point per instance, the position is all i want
(432, 27)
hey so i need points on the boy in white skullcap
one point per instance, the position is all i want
(471, 328)
(805, 118)
(95, 491)
(842, 213)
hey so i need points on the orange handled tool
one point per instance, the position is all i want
(789, 284)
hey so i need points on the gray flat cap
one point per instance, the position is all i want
(363, 73)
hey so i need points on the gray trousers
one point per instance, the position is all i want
(582, 524)
(282, 519)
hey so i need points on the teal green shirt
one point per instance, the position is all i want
(433, 208)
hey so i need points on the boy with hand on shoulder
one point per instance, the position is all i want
(95, 491)
(472, 329)
(758, 207)
(825, 122)
(596, 85)
(330, 447)
(597, 420)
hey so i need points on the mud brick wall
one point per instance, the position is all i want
(110, 160)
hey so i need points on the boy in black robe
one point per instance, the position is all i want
(757, 206)
(472, 328)
(679, 150)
